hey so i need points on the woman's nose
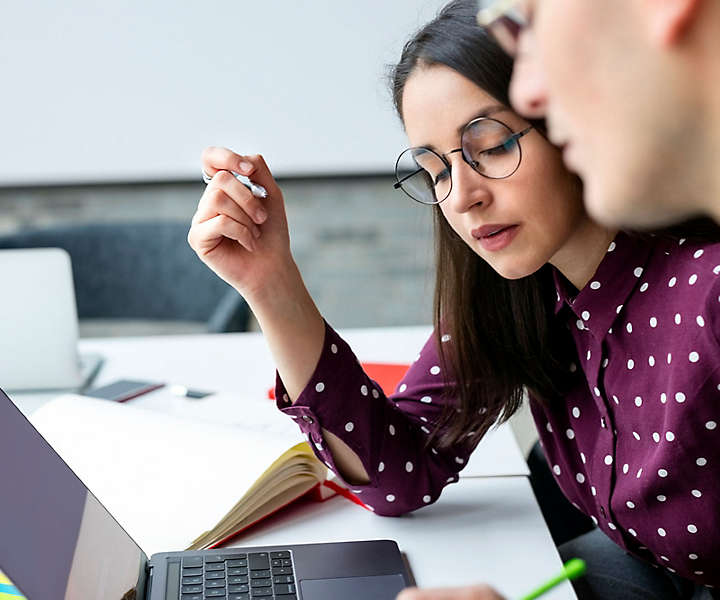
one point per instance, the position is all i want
(469, 188)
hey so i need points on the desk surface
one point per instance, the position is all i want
(240, 369)
(482, 529)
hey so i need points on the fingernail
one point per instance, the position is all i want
(245, 167)
(260, 215)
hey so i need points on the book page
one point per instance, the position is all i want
(165, 479)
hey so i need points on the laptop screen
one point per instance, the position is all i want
(57, 540)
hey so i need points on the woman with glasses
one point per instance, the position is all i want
(612, 335)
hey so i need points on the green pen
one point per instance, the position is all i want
(572, 569)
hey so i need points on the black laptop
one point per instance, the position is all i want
(58, 542)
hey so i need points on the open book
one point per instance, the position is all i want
(174, 483)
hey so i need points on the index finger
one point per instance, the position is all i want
(258, 171)
(216, 158)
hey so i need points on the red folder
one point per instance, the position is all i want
(386, 375)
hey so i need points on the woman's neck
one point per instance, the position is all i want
(581, 255)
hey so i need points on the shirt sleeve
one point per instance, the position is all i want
(389, 433)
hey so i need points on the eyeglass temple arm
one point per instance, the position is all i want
(398, 183)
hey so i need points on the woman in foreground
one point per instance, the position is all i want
(612, 334)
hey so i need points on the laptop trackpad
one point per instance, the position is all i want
(378, 587)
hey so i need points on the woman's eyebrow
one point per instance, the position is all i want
(485, 112)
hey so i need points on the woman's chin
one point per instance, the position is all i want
(515, 271)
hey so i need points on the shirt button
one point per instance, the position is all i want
(308, 419)
(602, 512)
(602, 423)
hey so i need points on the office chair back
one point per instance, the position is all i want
(142, 271)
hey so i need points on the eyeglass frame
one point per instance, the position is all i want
(443, 157)
(507, 14)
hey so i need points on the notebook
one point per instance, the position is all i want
(39, 325)
(238, 474)
(59, 541)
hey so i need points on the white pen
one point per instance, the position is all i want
(257, 190)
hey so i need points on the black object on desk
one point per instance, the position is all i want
(124, 389)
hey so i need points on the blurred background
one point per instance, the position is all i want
(108, 107)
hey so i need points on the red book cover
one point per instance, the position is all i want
(386, 375)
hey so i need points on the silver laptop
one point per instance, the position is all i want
(59, 542)
(39, 323)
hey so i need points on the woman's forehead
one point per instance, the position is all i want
(438, 102)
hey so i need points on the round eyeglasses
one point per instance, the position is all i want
(489, 146)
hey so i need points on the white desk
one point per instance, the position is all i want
(482, 529)
(240, 369)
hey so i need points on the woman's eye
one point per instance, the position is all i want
(504, 148)
(440, 177)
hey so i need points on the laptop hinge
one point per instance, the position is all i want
(148, 586)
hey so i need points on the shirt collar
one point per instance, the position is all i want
(599, 303)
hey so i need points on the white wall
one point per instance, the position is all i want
(134, 90)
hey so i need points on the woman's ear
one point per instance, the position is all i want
(669, 20)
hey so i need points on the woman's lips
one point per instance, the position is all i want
(495, 237)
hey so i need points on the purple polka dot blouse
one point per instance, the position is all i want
(636, 445)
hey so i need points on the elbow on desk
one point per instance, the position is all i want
(388, 505)
(389, 511)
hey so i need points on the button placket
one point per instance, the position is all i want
(603, 474)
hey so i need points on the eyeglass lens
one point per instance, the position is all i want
(488, 146)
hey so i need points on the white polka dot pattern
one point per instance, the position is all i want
(643, 395)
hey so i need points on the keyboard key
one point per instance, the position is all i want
(237, 571)
(258, 583)
(283, 579)
(214, 558)
(286, 597)
(256, 593)
(238, 563)
(238, 579)
(282, 571)
(239, 589)
(286, 562)
(191, 572)
(192, 580)
(259, 574)
(236, 555)
(215, 583)
(258, 560)
(284, 588)
(239, 597)
(281, 554)
(215, 593)
(192, 597)
(192, 561)
(191, 589)
(215, 575)
(276, 562)
(215, 567)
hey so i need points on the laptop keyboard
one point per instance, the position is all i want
(240, 576)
